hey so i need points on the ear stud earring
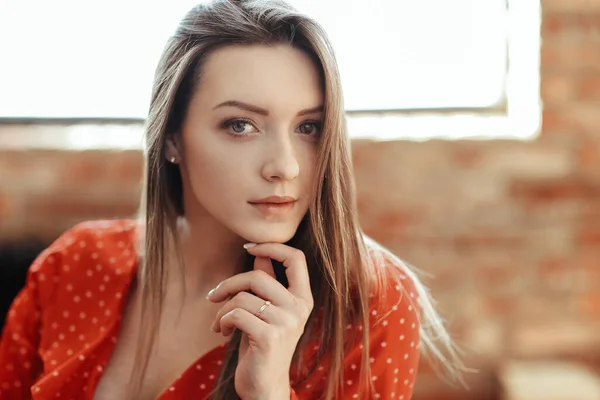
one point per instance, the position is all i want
(173, 159)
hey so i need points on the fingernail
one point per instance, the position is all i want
(210, 293)
(249, 245)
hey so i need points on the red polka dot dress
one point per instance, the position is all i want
(62, 327)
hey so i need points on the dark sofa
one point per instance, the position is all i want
(15, 259)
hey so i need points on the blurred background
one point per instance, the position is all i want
(476, 140)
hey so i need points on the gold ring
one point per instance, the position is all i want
(263, 308)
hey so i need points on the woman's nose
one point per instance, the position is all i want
(281, 161)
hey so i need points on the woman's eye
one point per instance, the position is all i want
(239, 126)
(310, 128)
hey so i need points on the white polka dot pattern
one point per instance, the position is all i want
(51, 357)
(62, 327)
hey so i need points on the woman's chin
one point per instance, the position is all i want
(271, 236)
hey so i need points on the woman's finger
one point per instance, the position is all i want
(256, 329)
(258, 282)
(250, 303)
(264, 264)
(294, 262)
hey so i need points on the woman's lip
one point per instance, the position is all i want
(273, 203)
(275, 199)
(270, 209)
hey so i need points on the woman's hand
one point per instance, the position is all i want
(270, 330)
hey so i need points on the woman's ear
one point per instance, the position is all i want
(172, 153)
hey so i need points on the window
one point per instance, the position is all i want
(81, 59)
(426, 54)
(410, 69)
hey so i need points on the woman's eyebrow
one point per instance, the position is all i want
(258, 110)
(309, 111)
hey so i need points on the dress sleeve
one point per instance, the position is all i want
(20, 362)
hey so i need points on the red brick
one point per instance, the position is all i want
(115, 168)
(588, 87)
(467, 156)
(446, 280)
(588, 156)
(558, 88)
(586, 115)
(532, 192)
(127, 166)
(70, 206)
(501, 306)
(570, 27)
(570, 274)
(577, 56)
(83, 168)
(589, 25)
(592, 271)
(465, 244)
(590, 214)
(589, 236)
(555, 121)
(573, 118)
(590, 305)
(587, 260)
(571, 6)
(554, 23)
(495, 275)
(564, 335)
(364, 204)
(5, 206)
(398, 220)
(553, 267)
(487, 239)
(18, 162)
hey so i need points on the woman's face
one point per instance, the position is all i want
(252, 131)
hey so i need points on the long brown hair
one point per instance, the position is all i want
(340, 258)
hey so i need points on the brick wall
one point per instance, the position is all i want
(510, 229)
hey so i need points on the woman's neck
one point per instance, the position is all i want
(207, 258)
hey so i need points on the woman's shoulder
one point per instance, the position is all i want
(394, 315)
(91, 240)
(394, 306)
(90, 249)
(394, 283)
(102, 235)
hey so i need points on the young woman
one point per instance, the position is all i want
(248, 192)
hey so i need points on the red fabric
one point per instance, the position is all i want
(62, 326)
